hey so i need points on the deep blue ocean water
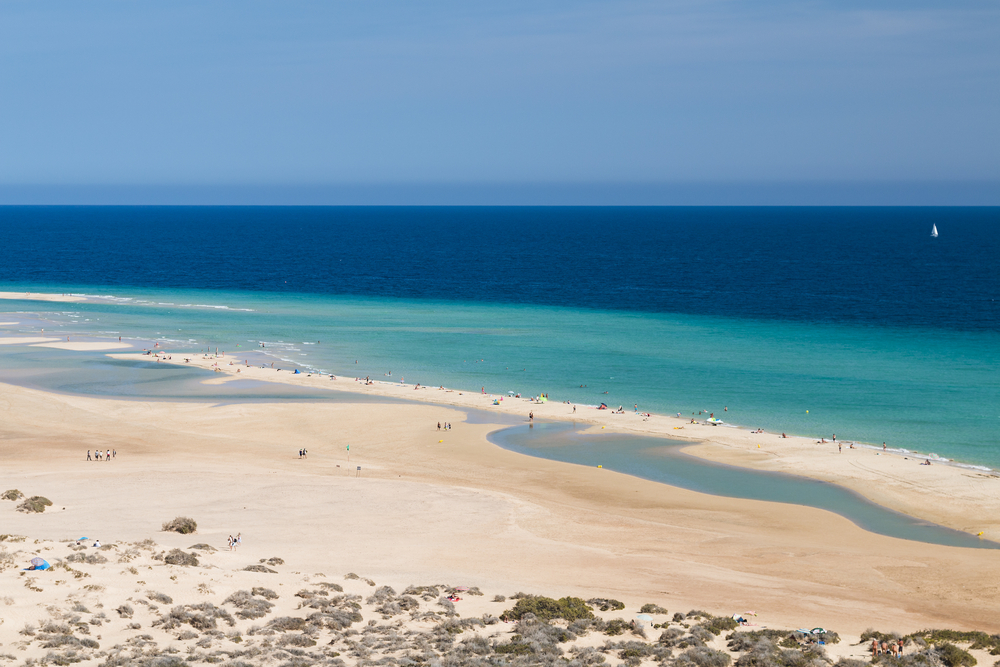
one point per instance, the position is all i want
(870, 266)
(855, 314)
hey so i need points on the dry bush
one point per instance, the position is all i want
(268, 594)
(84, 557)
(11, 494)
(162, 598)
(201, 546)
(259, 568)
(34, 504)
(248, 605)
(178, 557)
(180, 524)
(606, 604)
(199, 616)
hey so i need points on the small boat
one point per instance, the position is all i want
(934, 231)
(715, 422)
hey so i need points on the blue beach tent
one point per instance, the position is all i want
(38, 564)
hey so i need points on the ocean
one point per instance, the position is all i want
(810, 321)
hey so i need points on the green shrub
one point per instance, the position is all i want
(952, 656)
(606, 604)
(259, 568)
(545, 609)
(650, 608)
(717, 624)
(977, 640)
(181, 524)
(513, 648)
(617, 626)
(36, 504)
(11, 494)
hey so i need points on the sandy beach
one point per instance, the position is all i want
(450, 506)
(963, 498)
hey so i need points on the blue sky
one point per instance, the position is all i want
(190, 101)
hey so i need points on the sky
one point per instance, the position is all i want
(716, 101)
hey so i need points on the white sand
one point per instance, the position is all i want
(432, 506)
(85, 346)
(41, 296)
(25, 340)
(960, 498)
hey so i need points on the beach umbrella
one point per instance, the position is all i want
(38, 564)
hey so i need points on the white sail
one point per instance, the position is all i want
(934, 231)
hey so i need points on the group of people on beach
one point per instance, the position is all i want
(107, 456)
(895, 649)
(235, 541)
(447, 426)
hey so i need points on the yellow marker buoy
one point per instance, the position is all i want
(603, 466)
(440, 440)
(758, 446)
(602, 427)
(807, 412)
(979, 533)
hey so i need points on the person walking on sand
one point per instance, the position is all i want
(88, 456)
(239, 539)
(883, 447)
(232, 543)
(840, 448)
(108, 457)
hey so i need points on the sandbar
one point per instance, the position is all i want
(85, 346)
(25, 340)
(42, 296)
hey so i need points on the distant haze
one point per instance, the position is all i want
(619, 102)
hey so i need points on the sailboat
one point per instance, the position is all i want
(934, 231)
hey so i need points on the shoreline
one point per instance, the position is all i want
(876, 475)
(951, 494)
(451, 506)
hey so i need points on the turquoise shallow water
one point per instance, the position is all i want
(660, 460)
(923, 389)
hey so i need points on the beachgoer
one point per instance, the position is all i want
(88, 456)
(114, 453)
(239, 539)
(840, 448)
(97, 544)
(883, 447)
(439, 426)
(108, 456)
(232, 544)
(835, 437)
(574, 409)
(783, 435)
(531, 416)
